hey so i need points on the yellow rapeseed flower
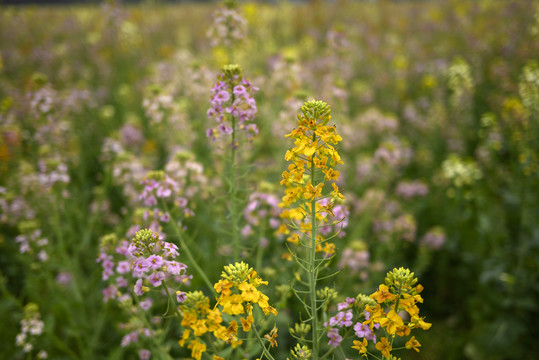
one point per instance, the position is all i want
(361, 346)
(384, 347)
(413, 344)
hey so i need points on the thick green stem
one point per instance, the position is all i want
(313, 272)
(233, 190)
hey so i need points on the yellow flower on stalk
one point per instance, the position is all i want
(361, 346)
(419, 323)
(249, 292)
(231, 332)
(413, 344)
(272, 336)
(197, 348)
(232, 304)
(313, 192)
(247, 322)
(383, 294)
(336, 194)
(392, 322)
(199, 327)
(184, 338)
(223, 286)
(313, 141)
(384, 346)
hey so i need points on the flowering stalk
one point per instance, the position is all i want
(229, 28)
(312, 156)
(233, 107)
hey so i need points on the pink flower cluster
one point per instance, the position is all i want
(345, 319)
(147, 258)
(159, 185)
(232, 96)
(229, 27)
(153, 260)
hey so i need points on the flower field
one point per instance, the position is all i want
(270, 180)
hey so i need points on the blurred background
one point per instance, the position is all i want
(437, 103)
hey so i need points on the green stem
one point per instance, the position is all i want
(265, 351)
(312, 267)
(156, 340)
(185, 248)
(260, 249)
(233, 190)
(171, 299)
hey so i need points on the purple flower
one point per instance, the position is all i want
(109, 293)
(225, 129)
(334, 337)
(363, 331)
(139, 288)
(132, 337)
(146, 304)
(175, 268)
(347, 319)
(155, 262)
(157, 278)
(123, 267)
(171, 250)
(141, 265)
(336, 319)
(342, 306)
(239, 90)
(163, 192)
(108, 268)
(144, 354)
(181, 296)
(121, 282)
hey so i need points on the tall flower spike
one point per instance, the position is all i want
(229, 27)
(306, 203)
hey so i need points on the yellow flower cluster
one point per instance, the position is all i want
(313, 158)
(237, 295)
(396, 295)
(198, 319)
(313, 148)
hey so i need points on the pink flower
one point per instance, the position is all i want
(146, 304)
(175, 268)
(181, 296)
(157, 278)
(144, 354)
(138, 287)
(155, 261)
(123, 267)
